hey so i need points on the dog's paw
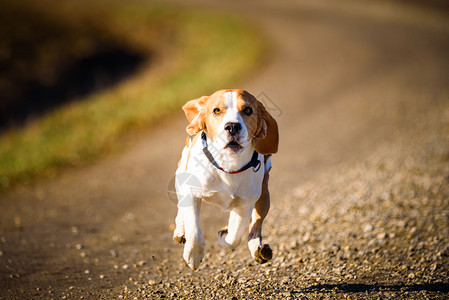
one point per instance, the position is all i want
(222, 233)
(193, 255)
(179, 237)
(222, 237)
(263, 254)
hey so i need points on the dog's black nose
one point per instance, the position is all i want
(233, 128)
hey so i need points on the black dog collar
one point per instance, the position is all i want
(254, 162)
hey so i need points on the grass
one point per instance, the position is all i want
(198, 52)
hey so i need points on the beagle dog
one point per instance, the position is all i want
(226, 161)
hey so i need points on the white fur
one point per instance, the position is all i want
(232, 115)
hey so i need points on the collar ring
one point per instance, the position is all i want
(257, 167)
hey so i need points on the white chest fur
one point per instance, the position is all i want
(218, 187)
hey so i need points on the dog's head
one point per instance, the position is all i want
(234, 119)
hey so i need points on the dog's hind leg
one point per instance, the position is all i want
(238, 220)
(260, 252)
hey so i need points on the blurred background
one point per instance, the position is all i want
(76, 76)
(48, 60)
(68, 67)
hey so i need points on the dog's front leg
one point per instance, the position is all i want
(179, 233)
(237, 224)
(189, 208)
(260, 252)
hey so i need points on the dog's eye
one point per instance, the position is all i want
(217, 111)
(248, 111)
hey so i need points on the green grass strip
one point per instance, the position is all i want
(199, 51)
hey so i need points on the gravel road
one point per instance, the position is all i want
(360, 186)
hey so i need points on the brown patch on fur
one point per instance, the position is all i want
(261, 126)
(195, 115)
(267, 142)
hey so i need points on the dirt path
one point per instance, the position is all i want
(359, 187)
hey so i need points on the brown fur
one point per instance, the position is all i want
(261, 125)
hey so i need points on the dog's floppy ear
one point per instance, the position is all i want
(267, 138)
(195, 114)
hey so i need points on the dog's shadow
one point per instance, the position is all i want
(441, 287)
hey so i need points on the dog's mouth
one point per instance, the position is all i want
(233, 146)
